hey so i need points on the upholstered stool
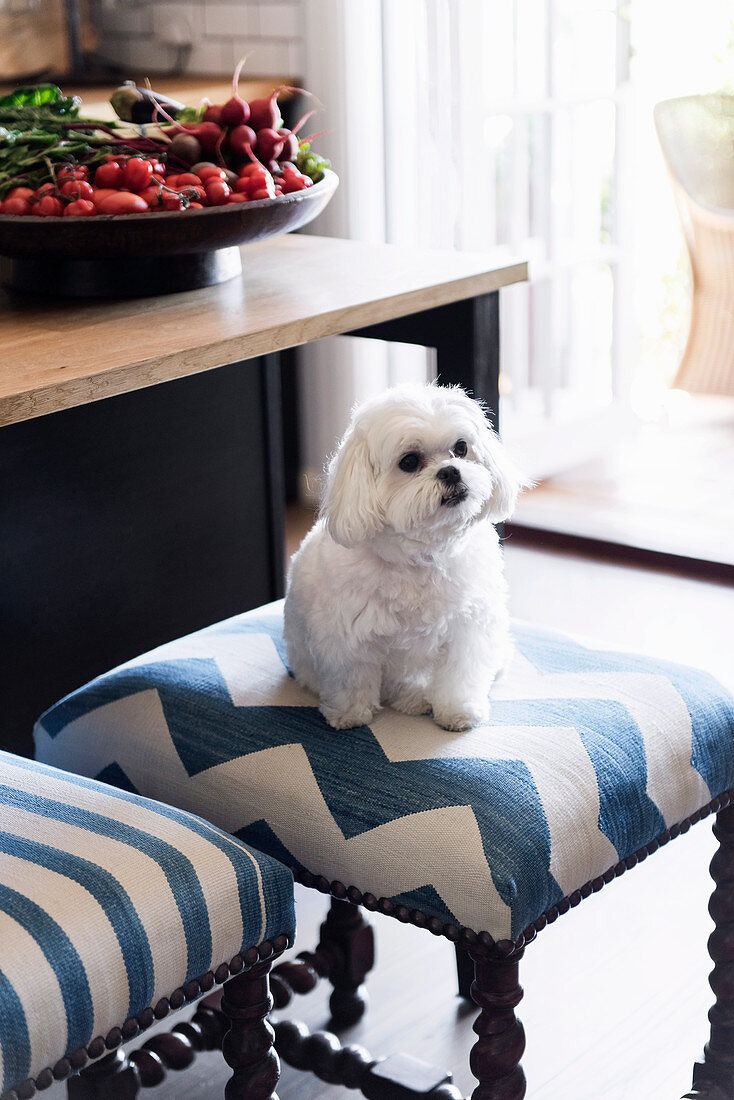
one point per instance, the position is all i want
(114, 910)
(591, 760)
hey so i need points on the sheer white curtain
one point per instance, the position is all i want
(465, 124)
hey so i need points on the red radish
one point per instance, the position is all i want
(208, 134)
(269, 144)
(240, 137)
(17, 205)
(266, 113)
(235, 111)
(81, 208)
(213, 113)
(290, 144)
(122, 202)
(290, 141)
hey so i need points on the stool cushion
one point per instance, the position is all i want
(108, 902)
(588, 756)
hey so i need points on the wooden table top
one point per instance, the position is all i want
(295, 288)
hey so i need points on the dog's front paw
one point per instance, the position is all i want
(463, 717)
(346, 719)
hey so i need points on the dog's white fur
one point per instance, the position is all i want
(395, 596)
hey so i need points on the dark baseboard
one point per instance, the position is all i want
(618, 553)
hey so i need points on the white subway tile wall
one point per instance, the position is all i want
(204, 37)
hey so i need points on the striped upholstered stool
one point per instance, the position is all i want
(113, 910)
(590, 761)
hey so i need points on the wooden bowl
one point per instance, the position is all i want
(161, 252)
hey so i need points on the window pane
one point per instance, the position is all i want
(584, 47)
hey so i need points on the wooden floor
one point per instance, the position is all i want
(615, 992)
(666, 487)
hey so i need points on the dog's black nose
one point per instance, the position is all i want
(449, 474)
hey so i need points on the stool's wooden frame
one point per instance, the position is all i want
(237, 1022)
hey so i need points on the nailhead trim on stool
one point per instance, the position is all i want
(107, 900)
(482, 941)
(135, 1025)
(588, 757)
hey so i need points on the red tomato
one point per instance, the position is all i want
(152, 196)
(290, 183)
(122, 202)
(217, 191)
(159, 169)
(72, 172)
(2, 204)
(111, 174)
(262, 193)
(172, 180)
(137, 173)
(210, 171)
(242, 185)
(17, 205)
(49, 207)
(196, 194)
(248, 169)
(77, 189)
(188, 178)
(45, 189)
(194, 206)
(81, 208)
(20, 193)
(172, 202)
(100, 193)
(236, 198)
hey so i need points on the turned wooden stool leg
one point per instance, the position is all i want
(464, 971)
(495, 1057)
(248, 1045)
(347, 939)
(111, 1078)
(714, 1077)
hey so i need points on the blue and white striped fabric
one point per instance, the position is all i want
(109, 902)
(588, 755)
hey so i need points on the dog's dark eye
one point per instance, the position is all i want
(459, 448)
(410, 462)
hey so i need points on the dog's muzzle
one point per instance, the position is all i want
(454, 489)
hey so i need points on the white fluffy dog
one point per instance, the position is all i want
(396, 596)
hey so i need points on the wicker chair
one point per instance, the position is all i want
(696, 134)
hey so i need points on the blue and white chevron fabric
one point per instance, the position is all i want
(588, 755)
(109, 902)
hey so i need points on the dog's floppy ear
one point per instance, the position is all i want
(507, 481)
(350, 504)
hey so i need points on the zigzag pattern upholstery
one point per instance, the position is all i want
(109, 902)
(588, 756)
